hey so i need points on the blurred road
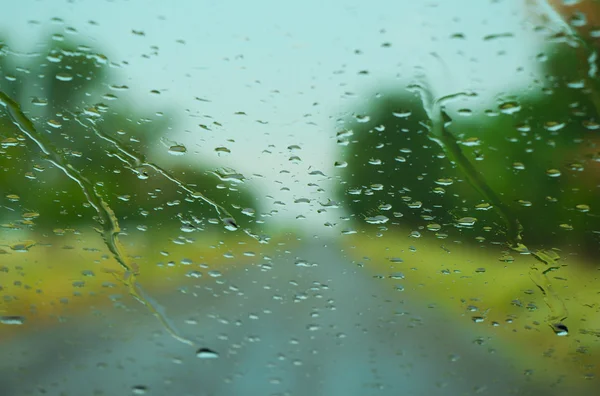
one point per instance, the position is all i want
(307, 322)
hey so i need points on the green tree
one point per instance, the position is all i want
(535, 149)
(64, 90)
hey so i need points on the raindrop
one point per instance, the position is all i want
(230, 224)
(362, 118)
(553, 126)
(444, 182)
(396, 275)
(434, 227)
(9, 142)
(187, 228)
(22, 247)
(139, 390)
(467, 221)
(178, 149)
(39, 102)
(302, 263)
(222, 149)
(560, 329)
(194, 274)
(471, 142)
(229, 175)
(12, 320)
(509, 107)
(403, 113)
(379, 219)
(64, 77)
(205, 353)
(591, 125)
(249, 212)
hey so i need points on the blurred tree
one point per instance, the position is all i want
(536, 150)
(582, 15)
(62, 89)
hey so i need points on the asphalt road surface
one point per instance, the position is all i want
(325, 327)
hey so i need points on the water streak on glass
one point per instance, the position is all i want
(110, 225)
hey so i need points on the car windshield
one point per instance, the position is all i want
(294, 198)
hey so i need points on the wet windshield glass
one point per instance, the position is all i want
(281, 198)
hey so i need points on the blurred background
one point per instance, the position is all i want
(214, 198)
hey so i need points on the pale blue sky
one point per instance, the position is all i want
(274, 60)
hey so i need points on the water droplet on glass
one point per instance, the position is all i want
(249, 212)
(467, 221)
(591, 125)
(139, 390)
(444, 182)
(434, 227)
(471, 142)
(560, 329)
(194, 274)
(54, 124)
(379, 219)
(229, 175)
(12, 320)
(9, 142)
(222, 149)
(205, 353)
(402, 113)
(302, 263)
(509, 107)
(362, 118)
(64, 77)
(553, 125)
(39, 102)
(177, 149)
(415, 204)
(230, 224)
(22, 247)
